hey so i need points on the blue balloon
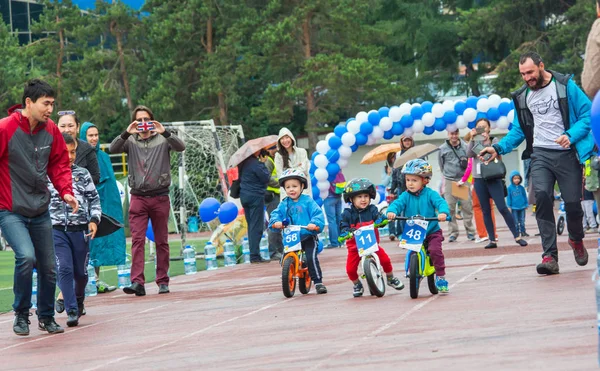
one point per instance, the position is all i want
(381, 191)
(450, 117)
(384, 112)
(350, 119)
(406, 121)
(460, 107)
(428, 130)
(312, 157)
(332, 155)
(504, 108)
(426, 106)
(313, 181)
(493, 114)
(209, 209)
(150, 231)
(366, 128)
(335, 142)
(595, 208)
(471, 125)
(355, 146)
(510, 126)
(439, 124)
(388, 135)
(595, 116)
(361, 139)
(340, 130)
(318, 199)
(416, 112)
(315, 192)
(228, 212)
(332, 169)
(397, 128)
(374, 118)
(480, 115)
(472, 102)
(312, 168)
(320, 245)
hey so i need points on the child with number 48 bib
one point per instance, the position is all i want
(423, 201)
(359, 193)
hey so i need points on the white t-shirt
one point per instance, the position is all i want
(543, 104)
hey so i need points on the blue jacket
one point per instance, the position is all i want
(254, 178)
(303, 211)
(517, 197)
(427, 203)
(575, 108)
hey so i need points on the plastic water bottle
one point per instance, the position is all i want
(34, 287)
(189, 260)
(124, 274)
(90, 288)
(229, 254)
(264, 247)
(210, 255)
(324, 238)
(597, 276)
(246, 250)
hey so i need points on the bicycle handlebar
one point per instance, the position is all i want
(419, 217)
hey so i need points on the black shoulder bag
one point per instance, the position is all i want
(464, 162)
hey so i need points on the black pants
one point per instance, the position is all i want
(310, 247)
(254, 210)
(548, 167)
(275, 242)
(494, 189)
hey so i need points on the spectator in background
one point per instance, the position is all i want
(68, 122)
(592, 179)
(587, 204)
(333, 209)
(516, 200)
(289, 156)
(590, 77)
(398, 181)
(386, 181)
(272, 201)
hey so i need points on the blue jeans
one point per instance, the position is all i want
(333, 211)
(31, 240)
(519, 217)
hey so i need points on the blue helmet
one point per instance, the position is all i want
(417, 167)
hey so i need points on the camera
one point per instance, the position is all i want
(145, 125)
(480, 130)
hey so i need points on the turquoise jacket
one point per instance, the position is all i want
(302, 212)
(427, 203)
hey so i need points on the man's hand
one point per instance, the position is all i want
(312, 227)
(277, 225)
(92, 228)
(158, 127)
(491, 151)
(72, 201)
(391, 216)
(132, 128)
(442, 217)
(563, 141)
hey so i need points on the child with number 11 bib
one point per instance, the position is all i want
(423, 201)
(359, 193)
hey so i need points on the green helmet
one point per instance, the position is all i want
(359, 186)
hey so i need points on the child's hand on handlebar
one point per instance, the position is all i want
(277, 225)
(442, 217)
(391, 216)
(312, 227)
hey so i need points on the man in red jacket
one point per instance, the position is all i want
(32, 150)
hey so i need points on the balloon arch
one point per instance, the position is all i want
(366, 128)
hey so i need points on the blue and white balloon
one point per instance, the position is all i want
(348, 139)
(322, 147)
(385, 123)
(321, 162)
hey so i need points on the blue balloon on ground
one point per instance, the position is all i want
(397, 128)
(388, 135)
(493, 114)
(504, 108)
(332, 155)
(472, 102)
(450, 117)
(354, 147)
(361, 139)
(460, 107)
(416, 112)
(340, 130)
(366, 128)
(595, 116)
(228, 212)
(209, 209)
(426, 106)
(384, 112)
(150, 231)
(332, 169)
(428, 130)
(374, 118)
(406, 121)
(439, 124)
(335, 142)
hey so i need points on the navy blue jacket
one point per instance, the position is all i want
(254, 178)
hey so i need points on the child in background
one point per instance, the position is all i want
(587, 204)
(423, 201)
(300, 209)
(516, 200)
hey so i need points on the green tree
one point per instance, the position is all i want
(14, 69)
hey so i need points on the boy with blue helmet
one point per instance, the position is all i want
(423, 201)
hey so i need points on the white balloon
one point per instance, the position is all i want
(511, 116)
(438, 110)
(470, 114)
(321, 174)
(417, 126)
(448, 105)
(460, 123)
(385, 123)
(361, 117)
(371, 141)
(493, 124)
(323, 147)
(377, 132)
(377, 199)
(324, 194)
(505, 100)
(321, 161)
(395, 113)
(404, 109)
(323, 185)
(483, 105)
(348, 139)
(494, 100)
(408, 132)
(451, 128)
(329, 136)
(345, 151)
(428, 119)
(342, 163)
(503, 123)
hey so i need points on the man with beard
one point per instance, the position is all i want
(552, 114)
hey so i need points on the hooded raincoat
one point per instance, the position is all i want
(298, 160)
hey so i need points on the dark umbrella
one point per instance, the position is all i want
(107, 225)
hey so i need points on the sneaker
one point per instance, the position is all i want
(392, 237)
(104, 287)
(259, 261)
(80, 307)
(441, 284)
(581, 254)
(21, 323)
(321, 289)
(547, 266)
(276, 256)
(452, 239)
(60, 305)
(72, 318)
(50, 325)
(521, 242)
(491, 245)
(358, 290)
(470, 237)
(482, 239)
(395, 283)
(163, 289)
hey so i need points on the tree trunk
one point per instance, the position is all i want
(208, 45)
(472, 80)
(119, 36)
(59, 62)
(311, 122)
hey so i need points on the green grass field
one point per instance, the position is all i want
(107, 274)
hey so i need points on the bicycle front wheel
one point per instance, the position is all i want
(288, 282)
(375, 278)
(414, 277)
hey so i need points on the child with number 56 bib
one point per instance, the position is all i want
(423, 201)
(359, 193)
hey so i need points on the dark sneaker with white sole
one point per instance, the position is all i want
(358, 290)
(395, 283)
(547, 266)
(321, 289)
(21, 323)
(72, 318)
(50, 325)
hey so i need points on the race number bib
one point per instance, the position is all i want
(414, 234)
(291, 239)
(366, 242)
